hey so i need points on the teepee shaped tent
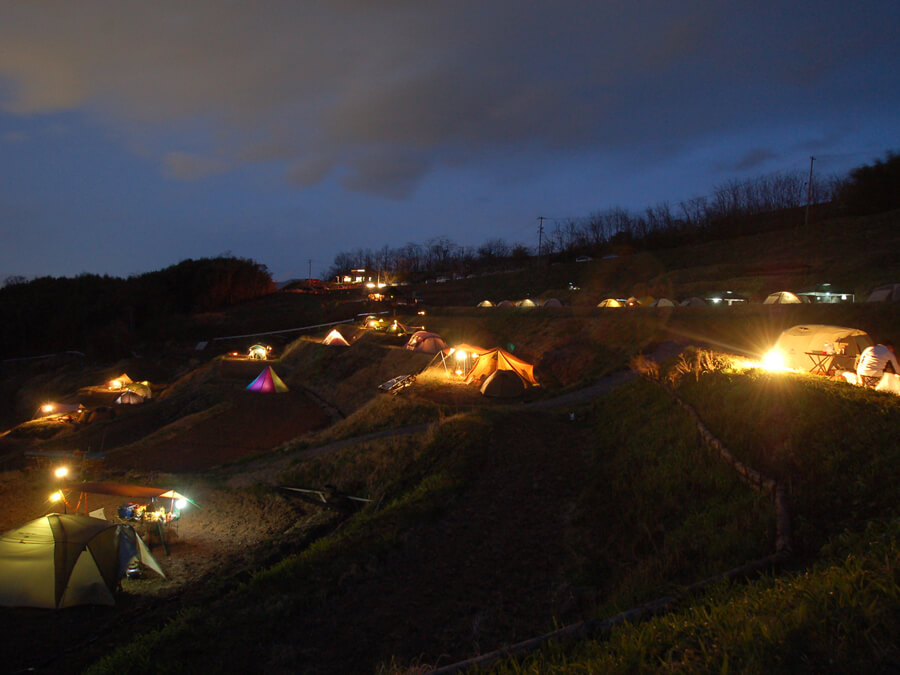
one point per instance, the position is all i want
(63, 560)
(335, 339)
(268, 382)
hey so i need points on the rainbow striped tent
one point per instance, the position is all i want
(268, 382)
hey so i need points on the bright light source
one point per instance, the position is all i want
(370, 284)
(61, 472)
(421, 312)
(56, 496)
(47, 408)
(459, 372)
(180, 504)
(774, 360)
(460, 356)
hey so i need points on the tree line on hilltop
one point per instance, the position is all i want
(106, 317)
(769, 202)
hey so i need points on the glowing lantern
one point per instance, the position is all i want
(774, 360)
(47, 408)
(460, 356)
(180, 504)
(61, 472)
(56, 496)
(115, 384)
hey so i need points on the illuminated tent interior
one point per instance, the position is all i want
(335, 339)
(485, 303)
(527, 302)
(499, 359)
(64, 560)
(258, 351)
(142, 389)
(795, 343)
(610, 302)
(783, 298)
(119, 382)
(424, 341)
(268, 382)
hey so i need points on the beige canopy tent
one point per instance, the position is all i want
(335, 339)
(796, 344)
(784, 298)
(63, 560)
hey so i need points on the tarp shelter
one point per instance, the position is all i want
(485, 303)
(503, 384)
(119, 382)
(498, 359)
(268, 382)
(129, 398)
(610, 302)
(885, 293)
(796, 343)
(784, 298)
(62, 560)
(335, 339)
(424, 341)
(662, 302)
(123, 490)
(693, 301)
(551, 302)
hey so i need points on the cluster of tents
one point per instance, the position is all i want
(526, 303)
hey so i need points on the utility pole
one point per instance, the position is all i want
(541, 220)
(808, 193)
(309, 274)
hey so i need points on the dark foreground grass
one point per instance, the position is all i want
(240, 632)
(840, 616)
(834, 445)
(657, 510)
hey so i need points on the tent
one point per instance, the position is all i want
(885, 293)
(119, 382)
(503, 384)
(610, 302)
(258, 351)
(662, 302)
(485, 303)
(142, 389)
(423, 341)
(551, 302)
(62, 560)
(505, 303)
(796, 343)
(632, 302)
(527, 302)
(268, 382)
(693, 301)
(129, 398)
(498, 359)
(335, 339)
(784, 298)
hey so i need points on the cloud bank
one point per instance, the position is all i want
(376, 95)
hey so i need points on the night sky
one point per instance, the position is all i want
(135, 135)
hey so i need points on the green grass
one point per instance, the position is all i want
(842, 615)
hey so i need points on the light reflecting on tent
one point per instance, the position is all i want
(268, 382)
